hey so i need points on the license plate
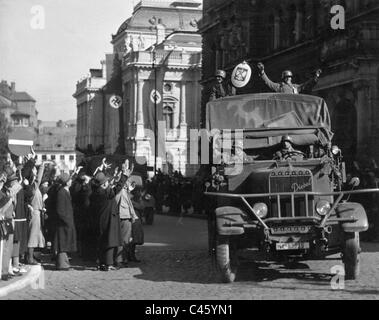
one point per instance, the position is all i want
(291, 229)
(292, 246)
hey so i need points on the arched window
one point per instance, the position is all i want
(168, 116)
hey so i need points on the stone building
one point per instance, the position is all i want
(157, 48)
(56, 142)
(18, 106)
(298, 35)
(90, 111)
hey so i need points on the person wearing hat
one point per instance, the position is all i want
(6, 240)
(15, 190)
(65, 235)
(106, 220)
(80, 192)
(286, 86)
(287, 151)
(221, 88)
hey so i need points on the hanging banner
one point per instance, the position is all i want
(115, 101)
(155, 96)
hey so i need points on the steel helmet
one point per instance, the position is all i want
(220, 73)
(287, 138)
(287, 73)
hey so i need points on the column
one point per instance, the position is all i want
(140, 124)
(363, 111)
(276, 31)
(299, 21)
(182, 118)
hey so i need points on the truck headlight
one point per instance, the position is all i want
(260, 209)
(322, 207)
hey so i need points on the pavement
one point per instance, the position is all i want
(176, 266)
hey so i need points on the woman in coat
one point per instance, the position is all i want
(36, 205)
(65, 234)
(104, 210)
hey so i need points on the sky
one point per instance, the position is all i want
(46, 46)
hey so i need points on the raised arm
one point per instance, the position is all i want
(310, 83)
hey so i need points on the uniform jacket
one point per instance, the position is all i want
(221, 90)
(288, 88)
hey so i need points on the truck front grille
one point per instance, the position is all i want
(291, 180)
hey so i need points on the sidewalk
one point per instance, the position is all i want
(31, 278)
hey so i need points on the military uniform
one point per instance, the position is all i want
(221, 90)
(289, 88)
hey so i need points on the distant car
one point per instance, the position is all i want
(283, 208)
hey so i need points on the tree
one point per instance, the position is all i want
(4, 131)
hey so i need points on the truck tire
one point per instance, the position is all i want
(227, 260)
(351, 255)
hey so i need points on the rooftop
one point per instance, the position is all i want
(174, 17)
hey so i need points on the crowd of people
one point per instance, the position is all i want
(98, 215)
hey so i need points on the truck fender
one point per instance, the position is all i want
(352, 210)
(227, 215)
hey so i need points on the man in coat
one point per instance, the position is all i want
(286, 86)
(20, 237)
(6, 240)
(65, 234)
(103, 207)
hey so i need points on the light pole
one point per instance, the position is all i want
(179, 159)
(155, 112)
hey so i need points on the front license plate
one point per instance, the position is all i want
(291, 229)
(292, 246)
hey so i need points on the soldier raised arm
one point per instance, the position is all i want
(286, 86)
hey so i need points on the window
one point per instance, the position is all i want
(71, 157)
(168, 116)
(62, 157)
(44, 157)
(53, 157)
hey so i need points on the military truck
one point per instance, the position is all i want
(283, 203)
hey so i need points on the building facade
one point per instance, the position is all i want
(19, 108)
(157, 48)
(298, 35)
(57, 143)
(90, 111)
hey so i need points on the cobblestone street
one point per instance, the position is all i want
(175, 265)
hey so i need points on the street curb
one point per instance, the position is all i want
(30, 278)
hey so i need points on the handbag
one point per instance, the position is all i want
(6, 228)
(137, 232)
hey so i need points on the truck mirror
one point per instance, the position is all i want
(355, 182)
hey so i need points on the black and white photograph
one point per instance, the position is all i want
(189, 154)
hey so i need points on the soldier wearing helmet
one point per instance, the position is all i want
(286, 86)
(221, 88)
(287, 151)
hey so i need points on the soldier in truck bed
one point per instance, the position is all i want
(221, 88)
(286, 86)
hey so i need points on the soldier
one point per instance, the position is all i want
(221, 89)
(287, 150)
(286, 86)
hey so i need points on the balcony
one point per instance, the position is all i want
(168, 58)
